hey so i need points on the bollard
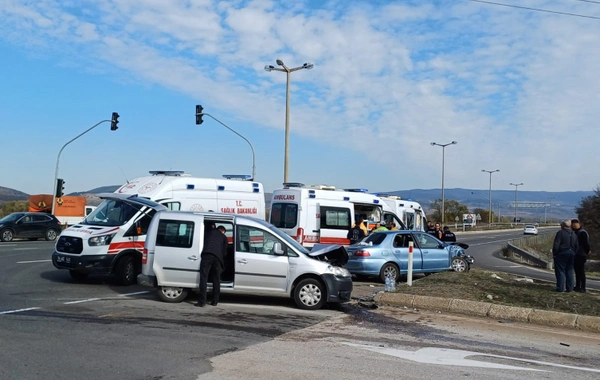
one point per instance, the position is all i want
(410, 263)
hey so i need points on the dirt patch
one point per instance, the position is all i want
(503, 289)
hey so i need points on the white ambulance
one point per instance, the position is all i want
(111, 238)
(410, 213)
(322, 214)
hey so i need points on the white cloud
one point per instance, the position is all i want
(517, 89)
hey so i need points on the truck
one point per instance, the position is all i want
(111, 239)
(69, 209)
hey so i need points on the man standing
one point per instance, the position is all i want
(581, 255)
(437, 231)
(563, 250)
(448, 235)
(430, 228)
(356, 233)
(212, 260)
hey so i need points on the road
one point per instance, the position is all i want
(485, 247)
(54, 328)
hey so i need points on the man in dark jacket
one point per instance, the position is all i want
(581, 255)
(563, 250)
(448, 235)
(356, 233)
(212, 260)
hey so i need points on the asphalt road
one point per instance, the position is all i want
(485, 247)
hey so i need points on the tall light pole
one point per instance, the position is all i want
(550, 212)
(443, 159)
(113, 127)
(516, 185)
(200, 113)
(288, 71)
(490, 171)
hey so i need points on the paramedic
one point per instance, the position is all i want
(212, 260)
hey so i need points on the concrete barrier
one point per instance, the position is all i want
(588, 323)
(394, 299)
(479, 309)
(552, 318)
(431, 303)
(512, 313)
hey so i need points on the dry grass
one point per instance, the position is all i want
(476, 285)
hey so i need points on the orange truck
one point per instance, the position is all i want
(69, 210)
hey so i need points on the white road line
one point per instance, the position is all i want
(82, 301)
(133, 294)
(33, 261)
(18, 310)
(25, 249)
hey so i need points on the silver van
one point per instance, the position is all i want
(261, 260)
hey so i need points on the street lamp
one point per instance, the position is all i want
(288, 71)
(443, 154)
(490, 171)
(113, 127)
(516, 185)
(200, 113)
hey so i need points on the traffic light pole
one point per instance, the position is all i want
(58, 159)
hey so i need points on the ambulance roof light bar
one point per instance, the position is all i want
(287, 185)
(167, 172)
(243, 177)
(322, 187)
(361, 190)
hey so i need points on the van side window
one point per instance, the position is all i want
(254, 240)
(335, 218)
(175, 233)
(173, 206)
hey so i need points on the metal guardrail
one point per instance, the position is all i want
(519, 247)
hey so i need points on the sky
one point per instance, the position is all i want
(518, 90)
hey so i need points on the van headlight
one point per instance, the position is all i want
(101, 240)
(339, 272)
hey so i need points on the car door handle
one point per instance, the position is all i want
(243, 261)
(193, 258)
(424, 251)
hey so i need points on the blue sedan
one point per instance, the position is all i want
(385, 254)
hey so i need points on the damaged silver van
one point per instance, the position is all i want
(261, 260)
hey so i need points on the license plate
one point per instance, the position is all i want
(63, 259)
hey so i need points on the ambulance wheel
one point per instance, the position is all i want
(310, 294)
(126, 271)
(170, 294)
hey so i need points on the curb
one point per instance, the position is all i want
(490, 310)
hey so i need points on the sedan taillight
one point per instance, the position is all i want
(362, 253)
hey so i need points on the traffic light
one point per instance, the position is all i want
(199, 109)
(60, 187)
(114, 121)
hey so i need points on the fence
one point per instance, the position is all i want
(525, 250)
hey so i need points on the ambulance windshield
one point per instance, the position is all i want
(111, 213)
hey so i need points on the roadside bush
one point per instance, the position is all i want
(13, 206)
(589, 215)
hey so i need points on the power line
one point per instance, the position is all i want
(589, 1)
(537, 9)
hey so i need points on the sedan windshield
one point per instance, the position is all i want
(111, 213)
(11, 218)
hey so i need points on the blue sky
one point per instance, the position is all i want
(519, 91)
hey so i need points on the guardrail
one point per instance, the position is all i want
(518, 248)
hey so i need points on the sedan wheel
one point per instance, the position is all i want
(460, 265)
(389, 270)
(6, 235)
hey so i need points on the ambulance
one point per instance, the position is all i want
(111, 238)
(322, 214)
(410, 213)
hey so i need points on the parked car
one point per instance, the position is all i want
(385, 254)
(30, 225)
(530, 230)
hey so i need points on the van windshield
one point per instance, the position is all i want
(111, 213)
(284, 215)
(288, 239)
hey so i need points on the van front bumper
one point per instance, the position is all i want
(146, 280)
(339, 289)
(100, 264)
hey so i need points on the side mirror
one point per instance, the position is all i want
(278, 250)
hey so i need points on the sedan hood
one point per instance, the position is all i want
(462, 245)
(332, 253)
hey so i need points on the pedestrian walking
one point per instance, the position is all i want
(581, 256)
(448, 235)
(212, 260)
(563, 250)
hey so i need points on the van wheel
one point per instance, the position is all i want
(126, 271)
(78, 276)
(309, 294)
(173, 295)
(389, 269)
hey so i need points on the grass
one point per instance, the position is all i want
(476, 285)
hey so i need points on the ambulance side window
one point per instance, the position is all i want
(173, 206)
(336, 218)
(175, 233)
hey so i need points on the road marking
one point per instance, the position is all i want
(25, 249)
(18, 310)
(443, 356)
(134, 294)
(82, 301)
(33, 261)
